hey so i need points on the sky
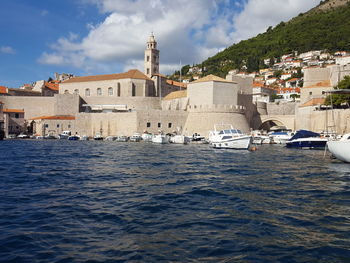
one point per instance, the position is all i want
(90, 37)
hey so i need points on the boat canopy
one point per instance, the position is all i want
(304, 134)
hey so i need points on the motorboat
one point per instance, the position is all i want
(260, 138)
(110, 138)
(307, 139)
(146, 137)
(74, 137)
(50, 137)
(280, 137)
(340, 149)
(197, 138)
(136, 137)
(84, 138)
(229, 138)
(98, 137)
(121, 138)
(179, 139)
(64, 135)
(160, 138)
(23, 136)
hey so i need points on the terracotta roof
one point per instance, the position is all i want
(176, 95)
(52, 86)
(131, 74)
(3, 90)
(13, 110)
(212, 78)
(258, 84)
(55, 117)
(325, 83)
(314, 102)
(176, 83)
(293, 79)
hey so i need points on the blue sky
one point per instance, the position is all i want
(84, 37)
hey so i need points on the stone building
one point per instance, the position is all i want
(14, 121)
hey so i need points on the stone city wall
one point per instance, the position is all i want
(32, 106)
(281, 108)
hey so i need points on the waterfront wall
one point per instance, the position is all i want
(32, 106)
(281, 108)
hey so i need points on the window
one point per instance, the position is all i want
(159, 125)
(147, 58)
(57, 125)
(148, 124)
(148, 71)
(66, 92)
(87, 92)
(99, 91)
(169, 125)
(46, 126)
(118, 90)
(76, 91)
(310, 93)
(133, 90)
(68, 126)
(16, 115)
(110, 91)
(323, 92)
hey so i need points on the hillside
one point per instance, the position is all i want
(325, 27)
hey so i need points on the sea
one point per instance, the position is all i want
(104, 201)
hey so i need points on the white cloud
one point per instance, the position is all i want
(44, 13)
(7, 50)
(258, 15)
(187, 31)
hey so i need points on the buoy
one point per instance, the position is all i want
(253, 149)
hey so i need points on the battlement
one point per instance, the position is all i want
(225, 108)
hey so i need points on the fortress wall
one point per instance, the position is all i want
(225, 93)
(309, 119)
(261, 108)
(32, 106)
(175, 104)
(313, 76)
(218, 108)
(282, 108)
(203, 122)
(338, 73)
(201, 93)
(245, 83)
(67, 104)
(171, 121)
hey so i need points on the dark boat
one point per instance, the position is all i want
(307, 139)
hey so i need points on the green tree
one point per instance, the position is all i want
(340, 99)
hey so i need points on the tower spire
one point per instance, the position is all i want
(151, 57)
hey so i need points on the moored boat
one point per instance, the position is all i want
(340, 149)
(74, 138)
(121, 138)
(64, 135)
(229, 138)
(307, 139)
(136, 137)
(179, 139)
(160, 138)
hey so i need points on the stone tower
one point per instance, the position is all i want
(151, 57)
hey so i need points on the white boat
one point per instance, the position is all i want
(64, 135)
(98, 137)
(84, 138)
(110, 138)
(340, 149)
(229, 138)
(197, 138)
(122, 138)
(179, 139)
(136, 137)
(281, 137)
(160, 138)
(146, 137)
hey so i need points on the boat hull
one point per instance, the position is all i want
(307, 143)
(240, 143)
(340, 150)
(161, 139)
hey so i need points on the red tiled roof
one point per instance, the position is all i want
(258, 84)
(325, 83)
(55, 117)
(176, 83)
(52, 86)
(13, 110)
(293, 79)
(3, 90)
(131, 74)
(314, 102)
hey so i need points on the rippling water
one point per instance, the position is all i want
(68, 201)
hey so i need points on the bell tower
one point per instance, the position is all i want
(151, 57)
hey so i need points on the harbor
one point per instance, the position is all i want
(105, 201)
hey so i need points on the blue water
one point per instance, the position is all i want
(76, 201)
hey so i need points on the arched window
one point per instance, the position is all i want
(133, 90)
(87, 92)
(110, 91)
(66, 92)
(76, 91)
(118, 90)
(99, 91)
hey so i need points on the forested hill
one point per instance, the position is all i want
(326, 27)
